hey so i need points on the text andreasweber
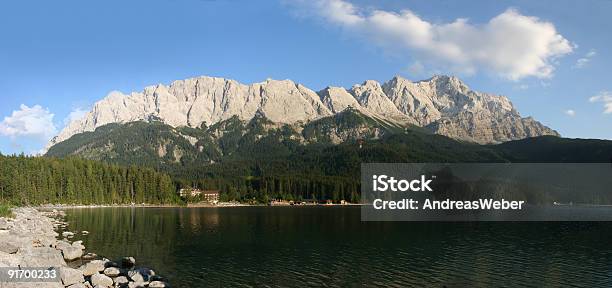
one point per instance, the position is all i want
(383, 183)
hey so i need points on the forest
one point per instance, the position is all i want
(28, 180)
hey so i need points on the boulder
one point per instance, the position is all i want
(101, 280)
(137, 285)
(42, 257)
(146, 273)
(9, 248)
(112, 272)
(89, 256)
(67, 234)
(157, 284)
(71, 276)
(93, 267)
(61, 244)
(121, 280)
(72, 253)
(78, 244)
(77, 285)
(135, 276)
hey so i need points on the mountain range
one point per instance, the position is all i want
(441, 105)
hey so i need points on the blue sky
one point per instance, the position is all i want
(59, 57)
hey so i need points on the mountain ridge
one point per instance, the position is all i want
(442, 104)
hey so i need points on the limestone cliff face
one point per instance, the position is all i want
(443, 104)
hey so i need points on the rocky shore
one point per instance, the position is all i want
(29, 240)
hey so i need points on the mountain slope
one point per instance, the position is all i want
(354, 136)
(444, 105)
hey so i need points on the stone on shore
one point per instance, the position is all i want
(121, 280)
(72, 253)
(71, 276)
(78, 244)
(136, 276)
(93, 267)
(77, 285)
(137, 284)
(101, 280)
(89, 256)
(112, 272)
(42, 257)
(8, 247)
(61, 244)
(67, 234)
(157, 284)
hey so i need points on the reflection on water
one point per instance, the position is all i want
(330, 246)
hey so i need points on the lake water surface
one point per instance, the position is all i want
(330, 246)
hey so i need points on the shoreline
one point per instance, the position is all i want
(190, 205)
(29, 240)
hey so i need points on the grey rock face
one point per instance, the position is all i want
(443, 104)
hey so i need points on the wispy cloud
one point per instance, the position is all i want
(584, 61)
(511, 45)
(604, 97)
(570, 112)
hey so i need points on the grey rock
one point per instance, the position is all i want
(78, 244)
(121, 280)
(135, 276)
(71, 276)
(77, 285)
(112, 272)
(92, 267)
(71, 253)
(137, 284)
(157, 284)
(42, 257)
(8, 247)
(101, 280)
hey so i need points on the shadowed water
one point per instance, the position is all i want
(330, 246)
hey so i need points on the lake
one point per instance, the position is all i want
(330, 246)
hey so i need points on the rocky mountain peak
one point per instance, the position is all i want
(443, 104)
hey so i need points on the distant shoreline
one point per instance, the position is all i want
(191, 205)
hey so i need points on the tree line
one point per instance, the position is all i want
(28, 180)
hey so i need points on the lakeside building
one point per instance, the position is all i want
(210, 196)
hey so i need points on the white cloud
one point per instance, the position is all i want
(570, 112)
(582, 62)
(511, 45)
(34, 121)
(76, 114)
(604, 97)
